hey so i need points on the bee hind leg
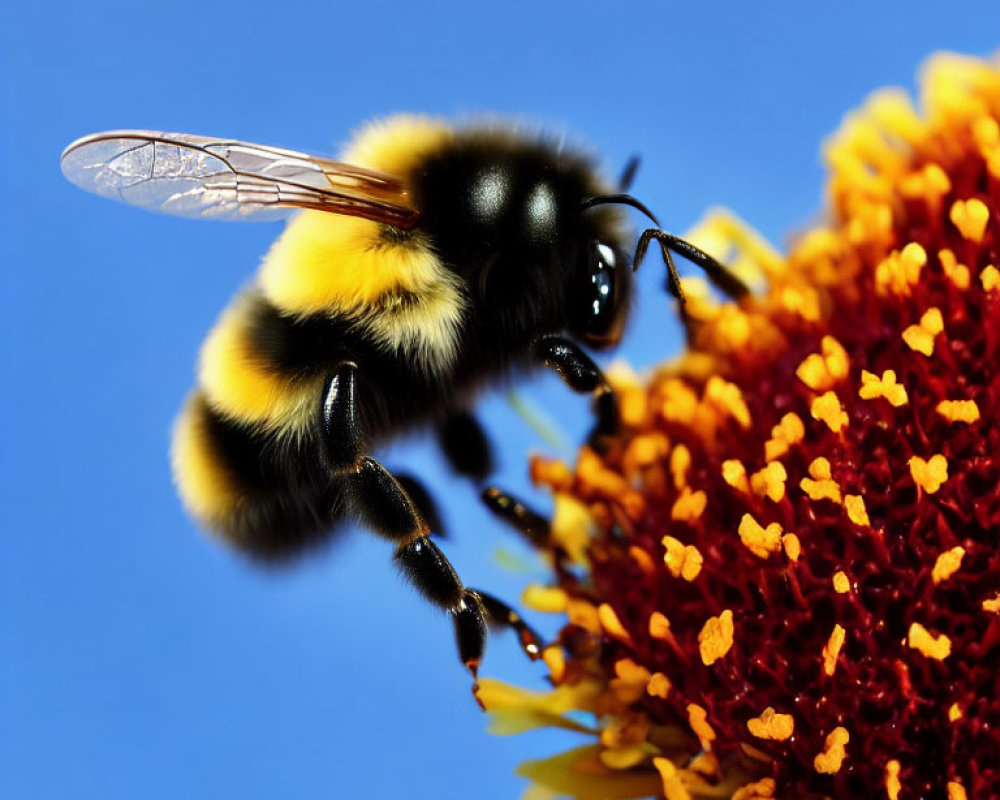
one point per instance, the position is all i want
(501, 615)
(384, 506)
(579, 372)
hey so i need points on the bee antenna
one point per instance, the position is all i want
(618, 199)
(628, 174)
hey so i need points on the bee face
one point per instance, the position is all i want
(508, 216)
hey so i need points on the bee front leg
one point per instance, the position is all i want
(582, 375)
(718, 274)
(386, 508)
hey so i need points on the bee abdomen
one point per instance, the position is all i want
(266, 493)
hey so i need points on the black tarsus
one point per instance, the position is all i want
(526, 521)
(502, 615)
(718, 274)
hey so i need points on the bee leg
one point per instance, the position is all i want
(719, 275)
(424, 502)
(529, 523)
(466, 445)
(386, 508)
(501, 615)
(582, 375)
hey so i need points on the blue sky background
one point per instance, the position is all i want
(137, 657)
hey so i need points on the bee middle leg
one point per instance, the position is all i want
(466, 445)
(579, 372)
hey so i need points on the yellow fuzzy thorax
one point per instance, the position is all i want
(332, 263)
(239, 386)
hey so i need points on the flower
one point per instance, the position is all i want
(782, 579)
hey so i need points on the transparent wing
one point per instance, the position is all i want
(208, 178)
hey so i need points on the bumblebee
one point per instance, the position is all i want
(429, 263)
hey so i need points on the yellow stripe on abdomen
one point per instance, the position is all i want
(205, 485)
(239, 384)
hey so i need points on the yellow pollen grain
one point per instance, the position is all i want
(957, 273)
(821, 469)
(770, 481)
(856, 511)
(986, 132)
(920, 337)
(790, 430)
(555, 659)
(689, 505)
(793, 547)
(679, 402)
(937, 647)
(758, 540)
(821, 489)
(758, 790)
(947, 564)
(658, 685)
(990, 278)
(772, 725)
(956, 791)
(630, 681)
(873, 386)
(546, 599)
(735, 474)
(680, 462)
(929, 475)
(611, 624)
(831, 650)
(801, 300)
(954, 712)
(683, 561)
(900, 270)
(827, 408)
(698, 720)
(716, 637)
(820, 371)
(644, 450)
(892, 785)
(841, 583)
(659, 626)
(642, 559)
(727, 397)
(830, 760)
(993, 604)
(551, 472)
(673, 787)
(958, 410)
(970, 217)
(583, 615)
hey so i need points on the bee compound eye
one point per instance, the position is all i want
(599, 300)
